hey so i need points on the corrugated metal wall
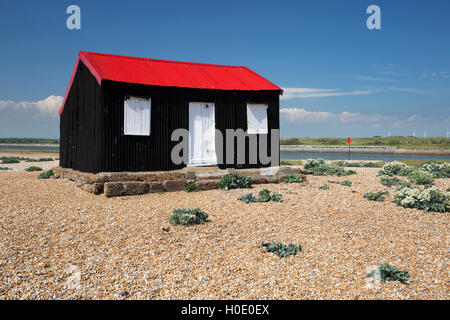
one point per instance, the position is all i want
(81, 125)
(92, 138)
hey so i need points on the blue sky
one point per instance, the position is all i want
(340, 78)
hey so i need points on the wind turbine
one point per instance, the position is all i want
(414, 133)
(448, 132)
(389, 132)
(424, 134)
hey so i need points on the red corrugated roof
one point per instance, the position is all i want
(170, 73)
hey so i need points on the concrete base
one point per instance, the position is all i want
(113, 184)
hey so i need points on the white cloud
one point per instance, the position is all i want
(302, 115)
(373, 78)
(411, 90)
(390, 73)
(412, 119)
(47, 107)
(292, 93)
(434, 75)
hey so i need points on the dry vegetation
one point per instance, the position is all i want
(125, 247)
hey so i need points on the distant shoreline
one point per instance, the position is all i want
(30, 144)
(361, 149)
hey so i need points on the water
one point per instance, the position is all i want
(283, 155)
(29, 147)
(358, 156)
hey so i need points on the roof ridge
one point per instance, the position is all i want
(161, 60)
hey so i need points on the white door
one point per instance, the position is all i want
(202, 150)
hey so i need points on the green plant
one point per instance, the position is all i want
(346, 183)
(324, 187)
(386, 272)
(188, 217)
(395, 168)
(281, 249)
(8, 160)
(430, 199)
(263, 196)
(320, 167)
(45, 175)
(310, 164)
(392, 168)
(248, 198)
(389, 181)
(405, 184)
(376, 196)
(191, 187)
(293, 178)
(234, 181)
(358, 164)
(438, 170)
(405, 171)
(33, 168)
(4, 168)
(38, 160)
(421, 177)
(276, 197)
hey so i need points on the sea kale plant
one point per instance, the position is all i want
(376, 196)
(386, 272)
(46, 174)
(421, 177)
(438, 170)
(358, 164)
(389, 181)
(395, 168)
(320, 167)
(249, 197)
(38, 160)
(310, 164)
(324, 187)
(188, 217)
(8, 160)
(234, 181)
(293, 178)
(191, 187)
(263, 196)
(33, 168)
(346, 183)
(281, 249)
(430, 199)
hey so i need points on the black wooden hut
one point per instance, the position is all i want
(119, 112)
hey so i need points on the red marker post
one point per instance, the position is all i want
(349, 141)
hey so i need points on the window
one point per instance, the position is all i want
(137, 115)
(257, 119)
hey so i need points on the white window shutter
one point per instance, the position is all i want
(137, 116)
(257, 119)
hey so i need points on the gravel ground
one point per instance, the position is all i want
(60, 242)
